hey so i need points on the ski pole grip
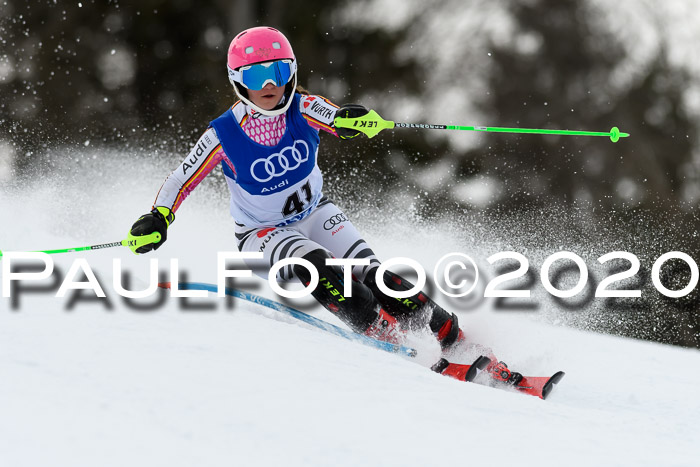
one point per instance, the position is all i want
(370, 124)
(135, 242)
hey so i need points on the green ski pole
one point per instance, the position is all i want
(371, 124)
(131, 241)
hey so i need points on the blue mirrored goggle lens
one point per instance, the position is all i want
(257, 76)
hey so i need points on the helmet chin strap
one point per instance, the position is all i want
(279, 109)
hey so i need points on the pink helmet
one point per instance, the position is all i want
(258, 45)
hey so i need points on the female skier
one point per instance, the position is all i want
(267, 145)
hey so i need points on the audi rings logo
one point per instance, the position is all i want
(333, 221)
(279, 163)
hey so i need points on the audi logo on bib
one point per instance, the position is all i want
(277, 164)
(334, 220)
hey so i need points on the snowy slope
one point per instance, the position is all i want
(113, 387)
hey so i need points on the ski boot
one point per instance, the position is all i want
(459, 371)
(451, 338)
(499, 372)
(385, 328)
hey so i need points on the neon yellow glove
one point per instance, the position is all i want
(158, 221)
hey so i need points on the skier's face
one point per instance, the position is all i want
(268, 97)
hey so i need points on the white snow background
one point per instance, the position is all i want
(94, 386)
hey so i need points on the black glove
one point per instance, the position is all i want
(157, 220)
(349, 111)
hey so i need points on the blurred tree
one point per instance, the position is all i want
(108, 71)
(541, 63)
(565, 64)
(152, 73)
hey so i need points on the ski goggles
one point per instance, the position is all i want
(255, 77)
